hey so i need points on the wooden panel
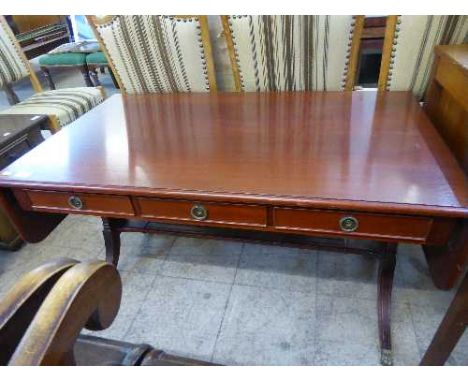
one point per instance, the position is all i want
(106, 205)
(26, 23)
(376, 226)
(230, 214)
(447, 99)
(454, 79)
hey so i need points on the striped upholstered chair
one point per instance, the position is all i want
(157, 54)
(408, 50)
(293, 53)
(62, 106)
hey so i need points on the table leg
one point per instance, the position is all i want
(112, 239)
(85, 73)
(448, 262)
(387, 264)
(48, 77)
(94, 76)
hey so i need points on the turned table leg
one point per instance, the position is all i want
(112, 239)
(387, 264)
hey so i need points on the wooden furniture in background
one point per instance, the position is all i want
(447, 98)
(18, 135)
(450, 329)
(42, 315)
(349, 165)
(38, 34)
(408, 50)
(98, 61)
(293, 53)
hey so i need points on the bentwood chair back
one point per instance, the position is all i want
(157, 54)
(293, 53)
(62, 106)
(408, 50)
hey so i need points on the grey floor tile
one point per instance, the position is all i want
(353, 322)
(347, 275)
(202, 259)
(267, 327)
(339, 353)
(427, 319)
(142, 254)
(135, 288)
(181, 316)
(413, 282)
(460, 353)
(277, 267)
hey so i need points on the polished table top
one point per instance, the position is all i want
(304, 148)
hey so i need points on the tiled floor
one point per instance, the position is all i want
(248, 304)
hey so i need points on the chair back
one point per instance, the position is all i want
(12, 65)
(408, 50)
(157, 54)
(293, 53)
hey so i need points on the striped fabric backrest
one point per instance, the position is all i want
(157, 54)
(290, 53)
(12, 65)
(408, 51)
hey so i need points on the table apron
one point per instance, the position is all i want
(312, 221)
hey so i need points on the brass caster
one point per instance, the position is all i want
(386, 357)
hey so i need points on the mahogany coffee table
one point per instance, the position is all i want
(282, 167)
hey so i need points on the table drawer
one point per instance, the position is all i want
(80, 203)
(220, 213)
(354, 224)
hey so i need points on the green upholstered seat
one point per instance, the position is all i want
(66, 104)
(63, 59)
(96, 58)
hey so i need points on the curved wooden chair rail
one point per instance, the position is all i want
(42, 316)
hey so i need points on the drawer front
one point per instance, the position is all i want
(352, 224)
(229, 214)
(80, 203)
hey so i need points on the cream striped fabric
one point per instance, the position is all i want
(156, 54)
(12, 67)
(66, 104)
(278, 53)
(413, 47)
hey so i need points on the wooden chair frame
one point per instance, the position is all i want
(205, 36)
(53, 121)
(386, 59)
(353, 53)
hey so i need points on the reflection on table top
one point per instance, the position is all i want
(359, 146)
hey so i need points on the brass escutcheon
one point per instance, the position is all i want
(75, 202)
(199, 212)
(349, 224)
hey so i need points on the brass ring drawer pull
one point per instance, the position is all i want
(198, 212)
(75, 202)
(349, 224)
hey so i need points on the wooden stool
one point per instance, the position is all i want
(64, 60)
